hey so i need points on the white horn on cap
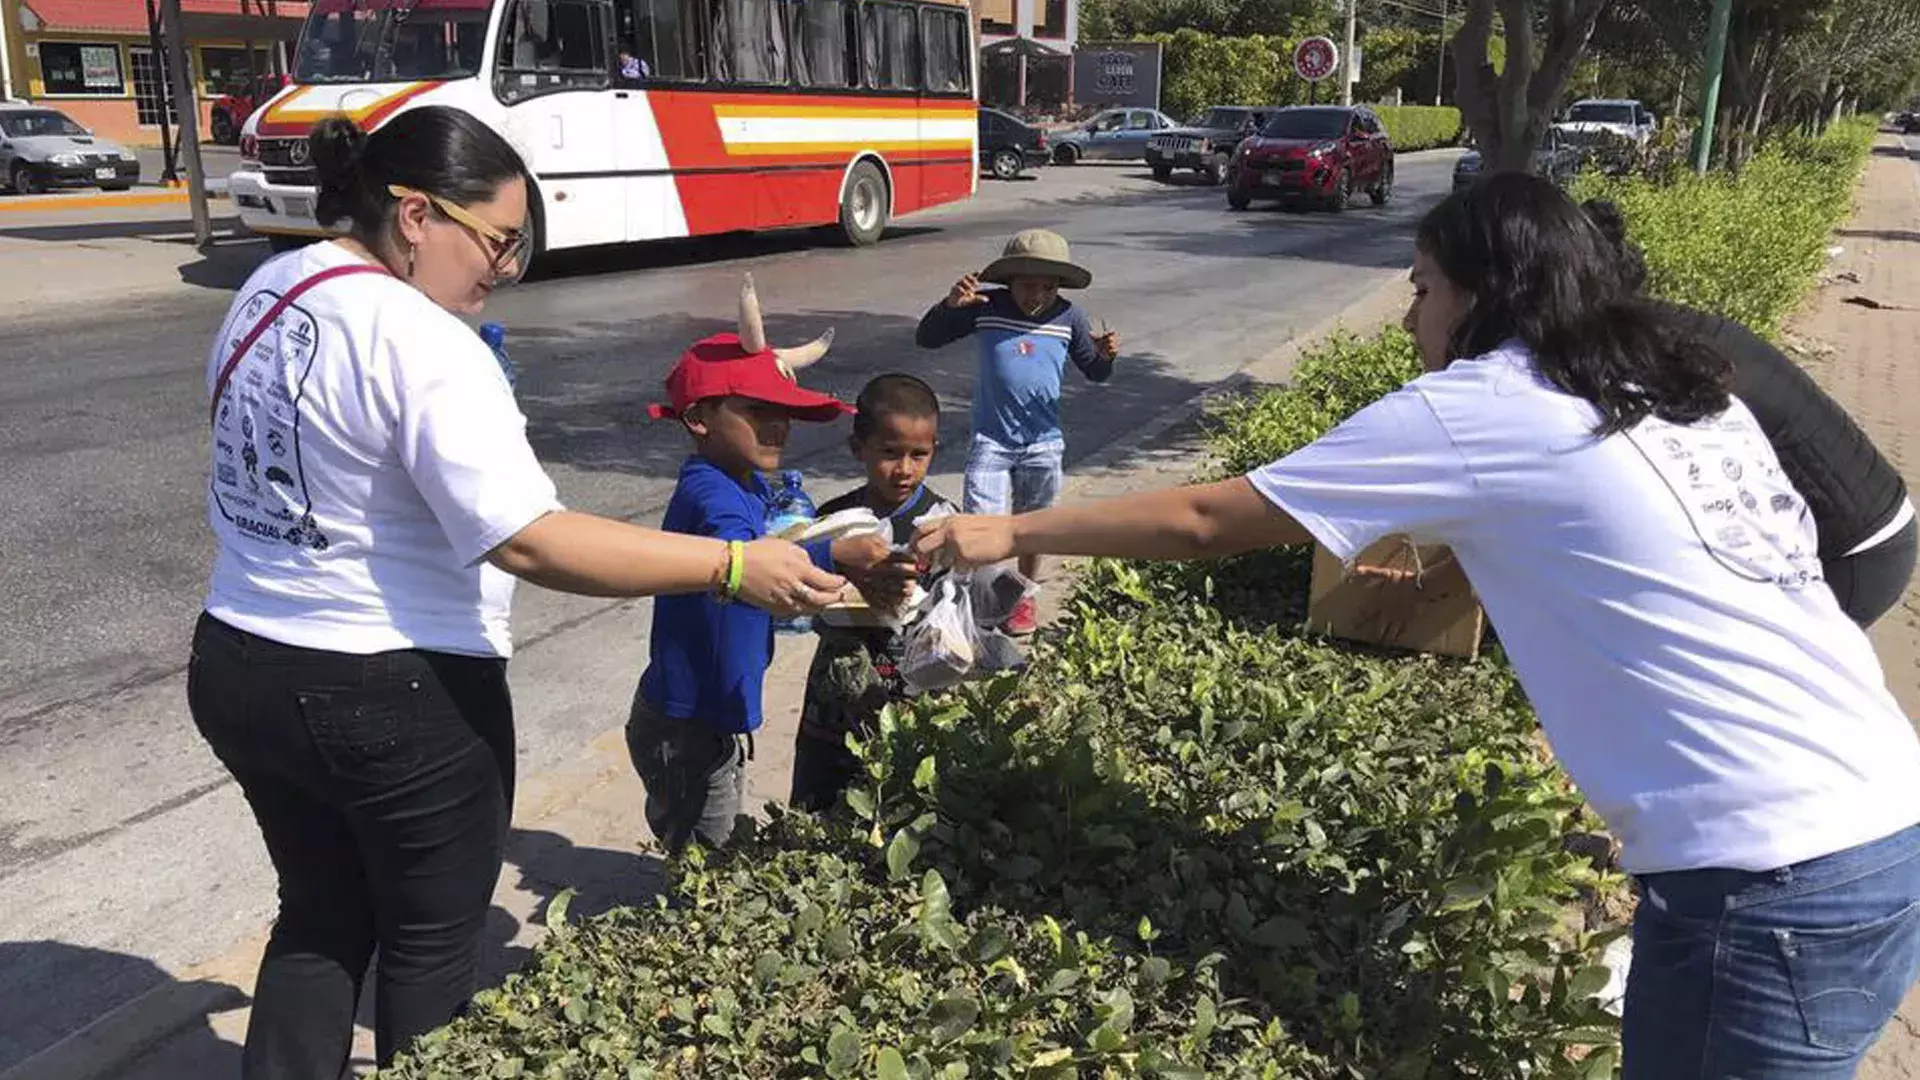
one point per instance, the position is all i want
(753, 332)
(792, 360)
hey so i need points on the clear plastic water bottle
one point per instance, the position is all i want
(790, 506)
(495, 336)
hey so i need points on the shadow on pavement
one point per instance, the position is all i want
(697, 251)
(116, 230)
(38, 1043)
(586, 388)
(1907, 236)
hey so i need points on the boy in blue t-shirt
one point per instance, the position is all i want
(690, 732)
(856, 669)
(1027, 333)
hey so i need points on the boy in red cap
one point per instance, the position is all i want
(690, 732)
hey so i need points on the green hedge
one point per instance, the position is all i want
(1201, 70)
(1189, 842)
(1745, 245)
(1420, 127)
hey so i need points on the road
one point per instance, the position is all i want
(125, 853)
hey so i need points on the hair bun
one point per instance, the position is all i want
(1606, 216)
(336, 144)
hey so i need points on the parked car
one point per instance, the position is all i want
(1114, 135)
(1593, 120)
(43, 148)
(1324, 153)
(1207, 145)
(231, 110)
(1908, 122)
(1555, 158)
(1009, 145)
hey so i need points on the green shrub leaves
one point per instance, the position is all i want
(1189, 842)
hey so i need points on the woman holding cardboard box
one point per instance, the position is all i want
(1656, 582)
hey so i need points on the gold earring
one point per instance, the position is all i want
(411, 248)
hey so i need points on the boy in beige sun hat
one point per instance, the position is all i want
(1027, 332)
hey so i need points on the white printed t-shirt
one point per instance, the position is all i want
(1660, 596)
(367, 455)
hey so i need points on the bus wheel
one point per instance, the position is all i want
(863, 209)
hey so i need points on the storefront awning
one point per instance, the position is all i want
(201, 19)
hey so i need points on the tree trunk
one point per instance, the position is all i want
(1509, 111)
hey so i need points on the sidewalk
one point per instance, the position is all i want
(1867, 367)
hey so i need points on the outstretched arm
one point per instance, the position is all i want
(1200, 521)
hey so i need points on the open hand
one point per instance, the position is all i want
(966, 293)
(780, 577)
(966, 541)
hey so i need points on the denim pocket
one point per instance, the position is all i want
(366, 732)
(1848, 981)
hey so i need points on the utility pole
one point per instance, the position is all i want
(182, 80)
(1710, 83)
(6, 53)
(168, 174)
(1346, 58)
(1440, 77)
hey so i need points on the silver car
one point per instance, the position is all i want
(1114, 135)
(1555, 159)
(42, 148)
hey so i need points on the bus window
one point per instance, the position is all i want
(349, 42)
(665, 35)
(949, 67)
(750, 41)
(822, 46)
(554, 45)
(890, 46)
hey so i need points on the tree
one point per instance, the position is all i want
(1508, 111)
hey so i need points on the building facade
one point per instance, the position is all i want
(94, 59)
(1026, 52)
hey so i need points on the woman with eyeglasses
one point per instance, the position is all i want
(373, 498)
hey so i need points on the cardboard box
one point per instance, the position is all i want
(1398, 595)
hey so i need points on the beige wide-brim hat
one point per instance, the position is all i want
(1037, 253)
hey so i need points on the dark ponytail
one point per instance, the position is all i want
(1606, 217)
(434, 149)
(1540, 270)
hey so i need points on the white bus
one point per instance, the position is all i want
(648, 119)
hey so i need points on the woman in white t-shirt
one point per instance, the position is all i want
(1656, 583)
(374, 497)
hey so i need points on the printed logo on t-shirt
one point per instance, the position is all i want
(265, 496)
(1741, 505)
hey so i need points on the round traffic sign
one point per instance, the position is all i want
(1316, 58)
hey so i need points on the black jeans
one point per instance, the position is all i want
(383, 786)
(1870, 583)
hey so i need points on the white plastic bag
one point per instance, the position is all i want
(942, 647)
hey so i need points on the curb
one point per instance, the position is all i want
(116, 1039)
(103, 201)
(1370, 311)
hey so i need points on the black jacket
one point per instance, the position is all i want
(1851, 489)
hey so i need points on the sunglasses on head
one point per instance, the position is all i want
(503, 247)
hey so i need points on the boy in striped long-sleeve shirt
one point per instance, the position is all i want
(1027, 332)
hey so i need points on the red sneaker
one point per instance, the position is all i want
(1024, 620)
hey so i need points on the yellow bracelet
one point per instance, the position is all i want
(736, 568)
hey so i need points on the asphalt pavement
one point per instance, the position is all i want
(126, 856)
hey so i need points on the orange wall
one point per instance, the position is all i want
(114, 118)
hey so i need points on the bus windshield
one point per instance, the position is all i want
(355, 41)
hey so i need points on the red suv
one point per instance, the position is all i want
(230, 112)
(1325, 153)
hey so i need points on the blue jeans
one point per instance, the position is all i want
(1013, 479)
(1784, 975)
